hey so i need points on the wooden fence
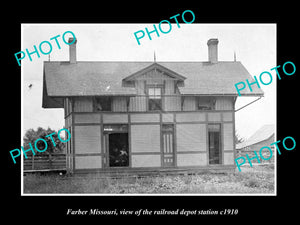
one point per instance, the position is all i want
(53, 161)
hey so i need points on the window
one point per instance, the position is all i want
(154, 102)
(205, 103)
(102, 104)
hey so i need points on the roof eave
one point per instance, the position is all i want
(251, 95)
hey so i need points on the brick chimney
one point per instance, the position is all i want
(72, 48)
(213, 50)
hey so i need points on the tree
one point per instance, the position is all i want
(238, 138)
(31, 136)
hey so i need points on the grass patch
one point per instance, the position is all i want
(258, 180)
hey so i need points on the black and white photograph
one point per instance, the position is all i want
(131, 114)
(110, 111)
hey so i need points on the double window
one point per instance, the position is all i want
(154, 98)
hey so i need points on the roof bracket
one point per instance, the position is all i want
(248, 104)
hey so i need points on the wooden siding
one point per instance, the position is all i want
(138, 104)
(153, 77)
(68, 125)
(115, 118)
(67, 106)
(68, 121)
(87, 139)
(88, 162)
(172, 101)
(224, 103)
(87, 118)
(189, 103)
(191, 137)
(228, 136)
(83, 104)
(228, 158)
(146, 161)
(119, 104)
(227, 116)
(169, 87)
(145, 138)
(167, 117)
(144, 118)
(214, 117)
(71, 151)
(190, 117)
(198, 159)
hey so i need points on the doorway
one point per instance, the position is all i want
(118, 150)
(214, 142)
(116, 146)
(168, 145)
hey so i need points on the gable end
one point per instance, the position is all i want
(159, 70)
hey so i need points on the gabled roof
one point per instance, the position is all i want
(62, 79)
(155, 66)
(264, 133)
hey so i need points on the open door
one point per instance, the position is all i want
(116, 146)
(214, 142)
(118, 150)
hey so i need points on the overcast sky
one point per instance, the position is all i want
(254, 44)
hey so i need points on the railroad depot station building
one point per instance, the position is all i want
(147, 116)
